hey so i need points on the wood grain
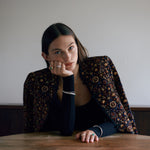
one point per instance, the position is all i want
(48, 141)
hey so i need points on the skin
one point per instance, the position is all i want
(63, 52)
(63, 56)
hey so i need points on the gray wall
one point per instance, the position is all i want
(117, 28)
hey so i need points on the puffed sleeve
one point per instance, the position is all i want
(118, 103)
(28, 103)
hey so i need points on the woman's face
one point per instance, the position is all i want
(64, 50)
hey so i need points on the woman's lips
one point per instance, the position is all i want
(68, 64)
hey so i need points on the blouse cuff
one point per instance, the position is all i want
(104, 129)
(97, 131)
(68, 83)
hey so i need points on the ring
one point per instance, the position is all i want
(51, 68)
(93, 134)
(58, 66)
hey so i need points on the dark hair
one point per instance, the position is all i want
(54, 31)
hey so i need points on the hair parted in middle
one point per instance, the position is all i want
(56, 30)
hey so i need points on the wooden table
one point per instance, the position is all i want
(52, 141)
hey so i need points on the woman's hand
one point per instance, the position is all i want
(58, 68)
(87, 136)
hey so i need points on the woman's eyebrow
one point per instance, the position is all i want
(70, 44)
(56, 49)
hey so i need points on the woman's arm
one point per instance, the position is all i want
(117, 100)
(92, 134)
(28, 104)
(104, 129)
(68, 106)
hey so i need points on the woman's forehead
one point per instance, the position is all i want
(62, 42)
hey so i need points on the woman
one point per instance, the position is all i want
(75, 92)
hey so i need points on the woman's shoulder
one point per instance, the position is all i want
(40, 72)
(97, 60)
(37, 74)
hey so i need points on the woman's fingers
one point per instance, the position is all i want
(55, 67)
(96, 138)
(77, 135)
(83, 137)
(87, 136)
(92, 137)
(58, 68)
(51, 65)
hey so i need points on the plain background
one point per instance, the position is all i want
(119, 29)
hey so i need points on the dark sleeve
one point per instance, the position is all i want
(28, 104)
(107, 128)
(122, 96)
(68, 106)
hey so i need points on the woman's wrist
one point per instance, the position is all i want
(98, 130)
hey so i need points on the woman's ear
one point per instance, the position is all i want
(45, 56)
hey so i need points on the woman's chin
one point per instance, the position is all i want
(72, 68)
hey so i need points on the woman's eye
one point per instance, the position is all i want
(71, 47)
(57, 52)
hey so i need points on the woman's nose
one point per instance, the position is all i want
(66, 57)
